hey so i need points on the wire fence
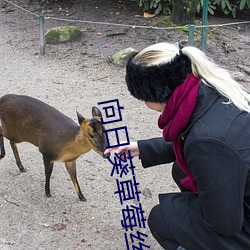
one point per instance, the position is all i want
(191, 28)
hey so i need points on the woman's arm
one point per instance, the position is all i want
(151, 152)
(155, 151)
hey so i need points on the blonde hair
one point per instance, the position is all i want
(202, 67)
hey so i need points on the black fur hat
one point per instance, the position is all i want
(156, 83)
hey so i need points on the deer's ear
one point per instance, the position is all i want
(80, 118)
(96, 111)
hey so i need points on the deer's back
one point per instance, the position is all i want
(24, 118)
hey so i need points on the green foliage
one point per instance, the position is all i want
(165, 6)
(47, 1)
(211, 7)
(157, 6)
(226, 6)
(244, 4)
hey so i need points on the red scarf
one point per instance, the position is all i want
(174, 119)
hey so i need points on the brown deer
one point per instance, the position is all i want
(59, 138)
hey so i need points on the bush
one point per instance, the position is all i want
(232, 6)
(47, 1)
(227, 6)
(156, 6)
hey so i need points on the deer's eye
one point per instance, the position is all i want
(91, 136)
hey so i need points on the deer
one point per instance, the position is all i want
(58, 138)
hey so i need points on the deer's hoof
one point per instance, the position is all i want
(82, 198)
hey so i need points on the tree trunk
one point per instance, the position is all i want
(183, 11)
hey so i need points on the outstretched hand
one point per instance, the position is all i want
(133, 147)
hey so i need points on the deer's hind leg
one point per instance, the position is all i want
(71, 168)
(1, 144)
(16, 154)
(48, 164)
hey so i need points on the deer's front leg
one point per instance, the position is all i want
(71, 168)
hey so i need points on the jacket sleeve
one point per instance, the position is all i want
(220, 173)
(155, 151)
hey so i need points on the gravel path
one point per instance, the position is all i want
(69, 79)
(76, 76)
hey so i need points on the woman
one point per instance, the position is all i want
(205, 118)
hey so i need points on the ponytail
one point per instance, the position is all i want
(218, 78)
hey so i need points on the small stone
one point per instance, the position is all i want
(121, 58)
(44, 225)
(146, 192)
(63, 34)
(239, 76)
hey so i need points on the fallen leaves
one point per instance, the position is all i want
(148, 15)
(58, 227)
(147, 192)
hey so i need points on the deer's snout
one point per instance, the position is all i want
(105, 156)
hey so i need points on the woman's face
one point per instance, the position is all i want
(156, 106)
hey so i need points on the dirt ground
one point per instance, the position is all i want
(76, 76)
